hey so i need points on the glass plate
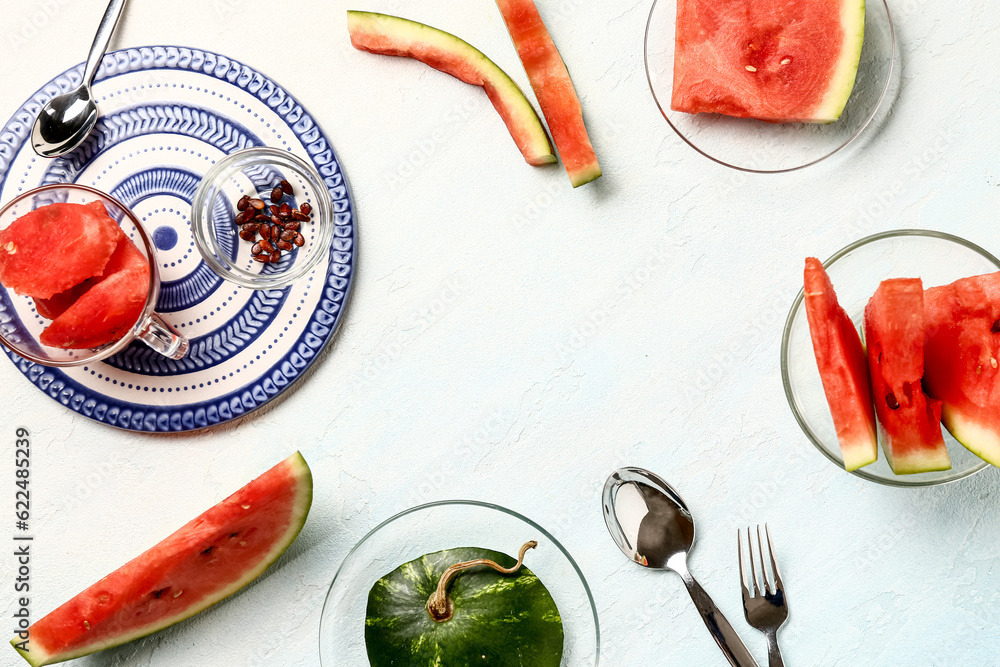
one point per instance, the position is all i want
(755, 146)
(856, 271)
(446, 525)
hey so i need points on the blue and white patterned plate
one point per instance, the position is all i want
(167, 114)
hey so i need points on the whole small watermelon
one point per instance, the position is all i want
(499, 620)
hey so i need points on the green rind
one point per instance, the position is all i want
(982, 441)
(859, 453)
(406, 33)
(925, 461)
(583, 176)
(499, 620)
(841, 86)
(303, 475)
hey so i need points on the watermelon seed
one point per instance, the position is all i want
(207, 551)
(157, 594)
(178, 594)
(891, 401)
(786, 61)
(996, 327)
(993, 362)
(233, 534)
(751, 68)
(86, 625)
(246, 507)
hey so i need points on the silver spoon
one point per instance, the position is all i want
(67, 119)
(653, 527)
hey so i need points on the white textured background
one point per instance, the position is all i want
(634, 321)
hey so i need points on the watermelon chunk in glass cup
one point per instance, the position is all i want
(21, 325)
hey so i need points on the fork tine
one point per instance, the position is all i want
(768, 586)
(774, 561)
(743, 572)
(753, 568)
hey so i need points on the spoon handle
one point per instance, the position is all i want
(727, 639)
(102, 39)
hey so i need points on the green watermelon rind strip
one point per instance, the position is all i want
(300, 473)
(553, 88)
(852, 17)
(395, 36)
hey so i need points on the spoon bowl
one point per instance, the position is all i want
(64, 122)
(653, 527)
(646, 518)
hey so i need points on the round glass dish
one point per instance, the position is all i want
(255, 172)
(756, 146)
(446, 525)
(21, 325)
(856, 271)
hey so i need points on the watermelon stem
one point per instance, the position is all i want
(440, 607)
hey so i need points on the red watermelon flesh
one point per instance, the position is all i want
(126, 256)
(395, 36)
(556, 95)
(55, 247)
(962, 352)
(843, 368)
(208, 559)
(104, 313)
(776, 60)
(910, 421)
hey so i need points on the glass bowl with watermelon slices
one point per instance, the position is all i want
(78, 279)
(484, 613)
(231, 245)
(770, 86)
(875, 263)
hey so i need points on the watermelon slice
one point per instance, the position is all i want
(55, 247)
(776, 60)
(394, 36)
(126, 256)
(843, 368)
(962, 328)
(910, 421)
(208, 559)
(553, 88)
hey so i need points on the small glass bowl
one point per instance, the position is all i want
(445, 525)
(856, 271)
(755, 146)
(20, 323)
(255, 172)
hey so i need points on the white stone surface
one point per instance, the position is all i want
(633, 321)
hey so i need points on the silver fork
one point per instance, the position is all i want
(768, 611)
